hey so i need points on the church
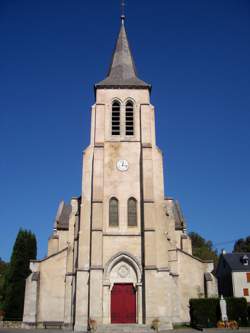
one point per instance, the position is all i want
(119, 253)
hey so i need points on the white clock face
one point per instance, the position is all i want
(122, 165)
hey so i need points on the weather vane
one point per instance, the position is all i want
(123, 10)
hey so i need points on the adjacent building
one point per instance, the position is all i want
(233, 274)
(120, 252)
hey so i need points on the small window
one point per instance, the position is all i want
(116, 118)
(245, 292)
(129, 118)
(113, 212)
(132, 212)
(248, 277)
(244, 260)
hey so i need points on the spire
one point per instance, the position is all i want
(122, 72)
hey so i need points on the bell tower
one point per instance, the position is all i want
(122, 193)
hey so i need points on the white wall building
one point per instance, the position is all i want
(233, 273)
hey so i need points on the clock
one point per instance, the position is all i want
(122, 165)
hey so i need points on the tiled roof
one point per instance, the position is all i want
(208, 276)
(62, 216)
(35, 276)
(235, 261)
(180, 223)
(122, 72)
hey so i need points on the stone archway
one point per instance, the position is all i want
(123, 269)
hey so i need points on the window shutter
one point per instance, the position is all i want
(245, 292)
(116, 118)
(129, 118)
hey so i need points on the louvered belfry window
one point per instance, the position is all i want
(132, 212)
(129, 118)
(113, 212)
(116, 118)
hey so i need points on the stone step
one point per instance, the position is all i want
(131, 328)
(124, 328)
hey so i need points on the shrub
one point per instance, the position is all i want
(2, 314)
(237, 309)
(205, 312)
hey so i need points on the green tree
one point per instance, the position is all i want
(3, 269)
(14, 287)
(242, 245)
(203, 249)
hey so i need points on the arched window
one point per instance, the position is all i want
(129, 118)
(116, 118)
(132, 212)
(113, 212)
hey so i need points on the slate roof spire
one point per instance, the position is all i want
(122, 71)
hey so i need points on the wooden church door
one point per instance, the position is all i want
(123, 303)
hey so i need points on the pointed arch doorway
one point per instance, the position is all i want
(123, 304)
(122, 290)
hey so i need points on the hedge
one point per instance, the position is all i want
(205, 312)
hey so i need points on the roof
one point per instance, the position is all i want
(235, 262)
(35, 276)
(208, 276)
(122, 71)
(180, 223)
(62, 216)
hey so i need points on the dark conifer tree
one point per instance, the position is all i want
(3, 270)
(23, 251)
(242, 245)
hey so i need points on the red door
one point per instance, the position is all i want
(123, 303)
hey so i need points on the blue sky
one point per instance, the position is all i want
(195, 53)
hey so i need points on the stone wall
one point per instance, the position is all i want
(10, 324)
(192, 282)
(52, 288)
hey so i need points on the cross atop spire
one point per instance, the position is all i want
(122, 10)
(122, 72)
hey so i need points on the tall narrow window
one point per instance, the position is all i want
(129, 118)
(132, 212)
(113, 212)
(116, 118)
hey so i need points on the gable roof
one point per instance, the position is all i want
(180, 223)
(122, 72)
(62, 216)
(234, 261)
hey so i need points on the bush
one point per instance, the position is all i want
(248, 313)
(237, 310)
(205, 312)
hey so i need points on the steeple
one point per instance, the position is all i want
(122, 72)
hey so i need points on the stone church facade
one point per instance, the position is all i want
(120, 252)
